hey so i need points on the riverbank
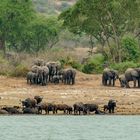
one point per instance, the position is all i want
(88, 89)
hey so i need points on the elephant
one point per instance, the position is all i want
(35, 68)
(111, 106)
(109, 75)
(12, 110)
(90, 108)
(132, 74)
(29, 103)
(32, 77)
(122, 80)
(43, 73)
(39, 62)
(54, 67)
(69, 75)
(56, 79)
(138, 71)
(38, 99)
(78, 107)
(29, 110)
(61, 107)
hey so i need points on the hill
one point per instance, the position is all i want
(52, 7)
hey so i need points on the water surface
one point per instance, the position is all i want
(69, 127)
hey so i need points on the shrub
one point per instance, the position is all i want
(94, 64)
(4, 66)
(68, 61)
(20, 71)
(130, 48)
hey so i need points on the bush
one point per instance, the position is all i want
(4, 66)
(130, 47)
(121, 67)
(20, 71)
(94, 64)
(68, 61)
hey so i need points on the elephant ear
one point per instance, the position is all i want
(134, 73)
(138, 70)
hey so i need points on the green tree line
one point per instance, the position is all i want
(23, 29)
(114, 24)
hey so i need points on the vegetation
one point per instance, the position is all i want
(30, 28)
(105, 22)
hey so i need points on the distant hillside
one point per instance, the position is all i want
(52, 7)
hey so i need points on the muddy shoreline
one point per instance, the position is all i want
(88, 89)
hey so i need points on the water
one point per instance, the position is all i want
(69, 127)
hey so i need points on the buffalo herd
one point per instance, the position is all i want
(36, 105)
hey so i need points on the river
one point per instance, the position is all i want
(70, 127)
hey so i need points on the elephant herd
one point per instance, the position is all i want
(37, 106)
(109, 77)
(43, 72)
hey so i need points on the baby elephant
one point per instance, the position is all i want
(123, 82)
(111, 106)
(31, 77)
(56, 79)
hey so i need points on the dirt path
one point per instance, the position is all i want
(88, 89)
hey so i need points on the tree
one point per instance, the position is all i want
(43, 32)
(15, 15)
(130, 48)
(105, 20)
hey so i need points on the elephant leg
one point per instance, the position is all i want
(135, 80)
(73, 81)
(138, 82)
(30, 82)
(105, 82)
(127, 85)
(109, 81)
(45, 81)
(113, 82)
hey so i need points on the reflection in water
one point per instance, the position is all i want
(70, 127)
